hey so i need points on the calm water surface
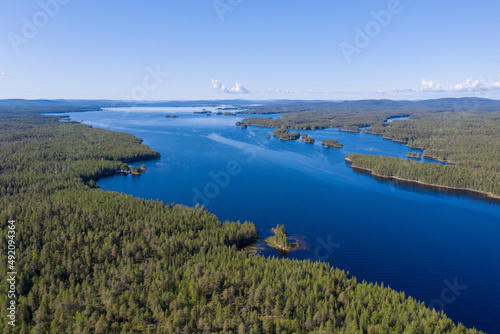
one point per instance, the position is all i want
(414, 240)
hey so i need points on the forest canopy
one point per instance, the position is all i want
(91, 261)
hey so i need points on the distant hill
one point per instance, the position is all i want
(445, 104)
(259, 106)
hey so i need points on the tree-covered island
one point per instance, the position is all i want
(327, 143)
(306, 139)
(285, 134)
(280, 240)
(129, 169)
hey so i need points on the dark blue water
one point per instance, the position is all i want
(417, 241)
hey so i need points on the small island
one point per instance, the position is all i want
(227, 113)
(415, 155)
(306, 139)
(227, 108)
(284, 134)
(171, 116)
(127, 169)
(327, 143)
(280, 240)
(244, 126)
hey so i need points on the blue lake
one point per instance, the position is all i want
(440, 248)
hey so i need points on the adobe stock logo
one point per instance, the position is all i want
(31, 27)
(151, 81)
(223, 6)
(324, 250)
(448, 295)
(372, 29)
(221, 180)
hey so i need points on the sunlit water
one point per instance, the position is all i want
(414, 240)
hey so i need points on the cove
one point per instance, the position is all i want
(415, 240)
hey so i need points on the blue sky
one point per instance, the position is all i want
(225, 49)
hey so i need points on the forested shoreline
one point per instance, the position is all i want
(91, 261)
(433, 175)
(465, 133)
(469, 141)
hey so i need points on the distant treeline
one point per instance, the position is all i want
(352, 115)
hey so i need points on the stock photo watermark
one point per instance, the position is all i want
(324, 250)
(31, 26)
(11, 273)
(448, 295)
(371, 30)
(223, 6)
(221, 180)
(150, 82)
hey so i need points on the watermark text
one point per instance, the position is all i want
(11, 273)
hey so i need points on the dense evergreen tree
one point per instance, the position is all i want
(469, 141)
(280, 237)
(416, 155)
(91, 261)
(430, 173)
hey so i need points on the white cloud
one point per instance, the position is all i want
(237, 89)
(3, 74)
(403, 90)
(278, 91)
(396, 91)
(493, 85)
(471, 85)
(312, 92)
(430, 86)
